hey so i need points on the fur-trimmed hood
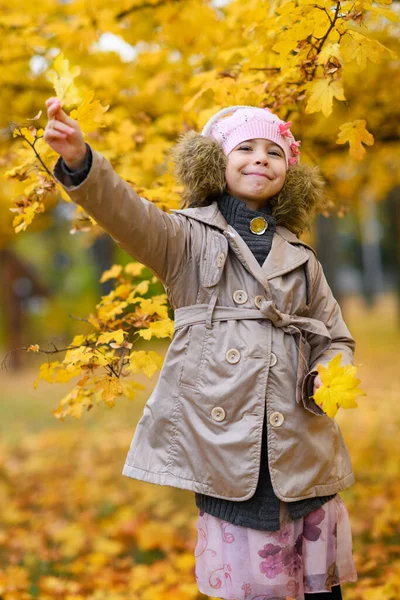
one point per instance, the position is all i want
(200, 163)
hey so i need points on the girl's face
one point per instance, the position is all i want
(255, 171)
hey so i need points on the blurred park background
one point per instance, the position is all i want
(138, 74)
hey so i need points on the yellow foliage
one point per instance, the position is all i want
(89, 113)
(293, 56)
(147, 362)
(112, 273)
(155, 305)
(321, 97)
(134, 268)
(339, 386)
(356, 134)
(63, 80)
(116, 336)
(159, 329)
(355, 46)
(110, 388)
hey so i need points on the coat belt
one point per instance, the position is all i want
(197, 313)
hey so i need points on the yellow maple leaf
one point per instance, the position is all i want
(116, 336)
(33, 348)
(131, 388)
(339, 386)
(328, 51)
(322, 93)
(110, 389)
(154, 305)
(148, 362)
(384, 12)
(160, 329)
(141, 288)
(89, 113)
(134, 269)
(355, 46)
(62, 79)
(46, 372)
(356, 134)
(112, 273)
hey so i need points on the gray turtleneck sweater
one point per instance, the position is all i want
(261, 511)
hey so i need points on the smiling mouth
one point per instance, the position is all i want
(258, 175)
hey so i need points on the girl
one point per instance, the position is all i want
(232, 416)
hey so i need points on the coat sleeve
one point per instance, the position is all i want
(325, 308)
(153, 237)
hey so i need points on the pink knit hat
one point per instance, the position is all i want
(249, 122)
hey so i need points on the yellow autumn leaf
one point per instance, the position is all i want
(21, 221)
(110, 388)
(356, 134)
(130, 389)
(106, 313)
(115, 336)
(134, 269)
(84, 355)
(141, 288)
(339, 386)
(33, 348)
(89, 113)
(112, 273)
(322, 93)
(147, 362)
(62, 79)
(159, 329)
(154, 305)
(328, 51)
(355, 46)
(384, 12)
(46, 372)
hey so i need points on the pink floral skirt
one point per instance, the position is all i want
(308, 555)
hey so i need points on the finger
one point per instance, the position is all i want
(53, 134)
(59, 126)
(51, 100)
(62, 116)
(56, 112)
(53, 109)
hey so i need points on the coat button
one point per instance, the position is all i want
(276, 419)
(258, 300)
(272, 360)
(218, 413)
(220, 260)
(233, 356)
(240, 296)
(258, 225)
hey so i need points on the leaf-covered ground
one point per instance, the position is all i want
(73, 528)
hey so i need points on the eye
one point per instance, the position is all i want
(244, 148)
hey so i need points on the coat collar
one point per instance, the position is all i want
(286, 254)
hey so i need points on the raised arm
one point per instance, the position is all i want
(152, 236)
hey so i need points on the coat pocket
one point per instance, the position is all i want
(304, 378)
(194, 358)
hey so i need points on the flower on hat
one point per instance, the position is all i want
(295, 148)
(284, 129)
(292, 161)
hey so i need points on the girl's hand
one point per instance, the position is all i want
(64, 135)
(317, 383)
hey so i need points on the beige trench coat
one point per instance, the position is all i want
(246, 337)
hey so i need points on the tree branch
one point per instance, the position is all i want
(137, 8)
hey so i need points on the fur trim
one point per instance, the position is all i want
(300, 198)
(200, 163)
